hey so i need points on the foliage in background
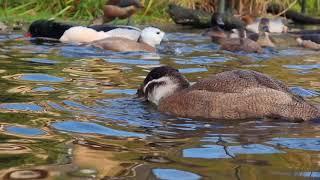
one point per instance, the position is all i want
(155, 10)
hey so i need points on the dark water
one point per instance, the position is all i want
(70, 112)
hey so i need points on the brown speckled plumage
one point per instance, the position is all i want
(238, 94)
(235, 44)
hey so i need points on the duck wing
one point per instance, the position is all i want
(247, 45)
(238, 80)
(122, 45)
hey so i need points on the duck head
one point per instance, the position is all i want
(151, 36)
(161, 82)
(215, 33)
(264, 25)
(264, 30)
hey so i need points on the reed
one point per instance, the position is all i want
(85, 10)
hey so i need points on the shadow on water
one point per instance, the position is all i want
(70, 111)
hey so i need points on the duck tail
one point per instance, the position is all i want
(48, 29)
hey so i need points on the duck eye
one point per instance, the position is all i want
(158, 32)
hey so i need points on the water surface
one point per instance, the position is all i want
(85, 99)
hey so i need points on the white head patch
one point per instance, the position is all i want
(165, 87)
(152, 36)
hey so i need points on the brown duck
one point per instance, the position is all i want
(121, 9)
(230, 95)
(238, 40)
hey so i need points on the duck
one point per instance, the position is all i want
(149, 38)
(276, 25)
(228, 43)
(308, 44)
(263, 36)
(229, 95)
(121, 9)
(78, 34)
(241, 39)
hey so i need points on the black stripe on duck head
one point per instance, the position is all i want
(264, 25)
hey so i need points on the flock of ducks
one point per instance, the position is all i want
(230, 95)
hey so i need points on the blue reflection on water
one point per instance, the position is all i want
(308, 174)
(253, 149)
(304, 92)
(41, 77)
(218, 151)
(93, 128)
(42, 61)
(206, 152)
(121, 91)
(132, 61)
(312, 144)
(173, 174)
(21, 106)
(24, 131)
(192, 70)
(43, 89)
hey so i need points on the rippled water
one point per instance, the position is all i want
(70, 111)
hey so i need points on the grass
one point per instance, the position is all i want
(83, 11)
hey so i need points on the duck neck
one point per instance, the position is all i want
(141, 41)
(264, 40)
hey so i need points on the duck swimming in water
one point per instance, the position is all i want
(121, 9)
(238, 40)
(79, 34)
(230, 95)
(147, 41)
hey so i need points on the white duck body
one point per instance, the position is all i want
(80, 34)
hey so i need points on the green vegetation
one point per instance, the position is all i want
(73, 10)
(84, 11)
